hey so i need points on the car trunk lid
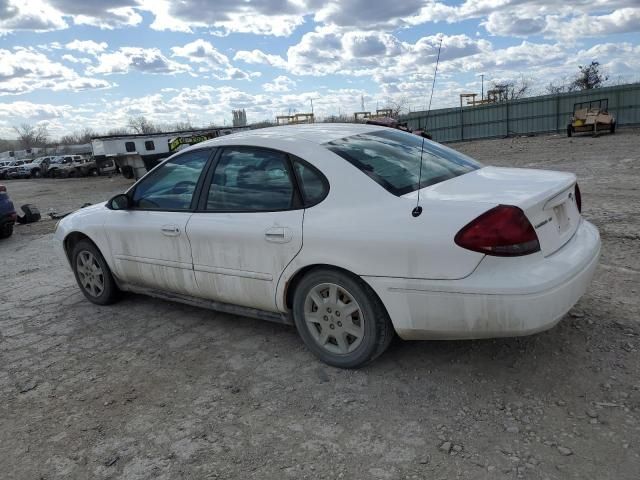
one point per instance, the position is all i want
(546, 197)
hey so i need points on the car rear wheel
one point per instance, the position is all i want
(340, 319)
(93, 274)
(36, 173)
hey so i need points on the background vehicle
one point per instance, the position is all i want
(400, 234)
(135, 154)
(7, 213)
(33, 169)
(63, 166)
(591, 117)
(10, 168)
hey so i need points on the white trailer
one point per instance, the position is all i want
(136, 154)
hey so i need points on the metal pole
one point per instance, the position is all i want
(311, 105)
(482, 95)
(461, 121)
(558, 113)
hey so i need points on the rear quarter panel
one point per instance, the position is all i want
(368, 231)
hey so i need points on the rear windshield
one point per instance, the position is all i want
(392, 159)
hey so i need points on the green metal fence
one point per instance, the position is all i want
(547, 113)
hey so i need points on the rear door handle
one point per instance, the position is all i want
(278, 235)
(170, 230)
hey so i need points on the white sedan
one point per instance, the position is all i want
(350, 232)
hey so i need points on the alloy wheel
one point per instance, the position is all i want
(90, 273)
(334, 318)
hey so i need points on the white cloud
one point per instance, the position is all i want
(104, 14)
(211, 61)
(33, 111)
(145, 60)
(281, 83)
(33, 15)
(201, 51)
(87, 46)
(259, 57)
(263, 17)
(25, 70)
(70, 58)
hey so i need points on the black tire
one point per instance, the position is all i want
(127, 172)
(36, 173)
(569, 130)
(6, 230)
(375, 323)
(110, 293)
(93, 172)
(612, 129)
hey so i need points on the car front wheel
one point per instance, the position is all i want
(93, 274)
(340, 319)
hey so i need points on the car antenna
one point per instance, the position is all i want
(418, 210)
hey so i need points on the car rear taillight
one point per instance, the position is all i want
(503, 231)
(578, 198)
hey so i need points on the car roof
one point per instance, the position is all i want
(315, 132)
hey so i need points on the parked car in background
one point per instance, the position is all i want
(61, 165)
(351, 232)
(10, 168)
(32, 169)
(7, 213)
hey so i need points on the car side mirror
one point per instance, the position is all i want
(119, 202)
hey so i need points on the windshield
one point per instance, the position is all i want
(392, 159)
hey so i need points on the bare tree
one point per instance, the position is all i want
(141, 125)
(118, 131)
(181, 126)
(31, 136)
(553, 89)
(589, 77)
(78, 137)
(397, 106)
(510, 90)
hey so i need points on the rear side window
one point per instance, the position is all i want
(250, 180)
(392, 159)
(312, 183)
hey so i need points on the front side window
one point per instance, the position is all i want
(130, 146)
(392, 159)
(171, 185)
(250, 180)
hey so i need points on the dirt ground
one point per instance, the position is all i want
(147, 389)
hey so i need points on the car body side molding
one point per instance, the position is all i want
(209, 304)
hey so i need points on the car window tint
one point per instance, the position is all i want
(171, 185)
(392, 159)
(314, 187)
(248, 179)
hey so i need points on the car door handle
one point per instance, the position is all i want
(278, 235)
(170, 230)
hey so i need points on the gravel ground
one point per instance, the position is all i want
(147, 389)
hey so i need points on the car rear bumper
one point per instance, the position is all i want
(502, 297)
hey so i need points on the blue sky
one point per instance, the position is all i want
(94, 64)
